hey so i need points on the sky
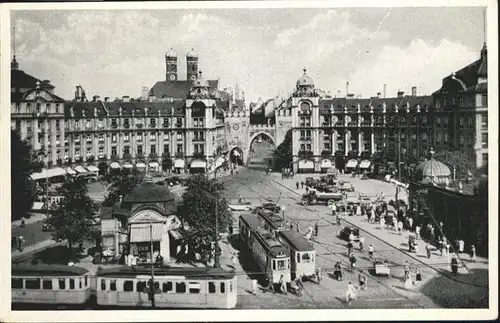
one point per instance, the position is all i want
(117, 52)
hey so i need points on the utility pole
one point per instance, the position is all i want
(152, 287)
(216, 260)
(399, 164)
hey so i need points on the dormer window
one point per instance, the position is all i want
(38, 108)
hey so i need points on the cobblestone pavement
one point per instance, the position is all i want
(436, 290)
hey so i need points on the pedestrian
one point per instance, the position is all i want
(418, 276)
(318, 275)
(416, 248)
(417, 232)
(316, 229)
(307, 189)
(351, 237)
(20, 243)
(362, 280)
(371, 249)
(410, 224)
(454, 265)
(301, 184)
(297, 185)
(297, 227)
(282, 285)
(400, 227)
(23, 222)
(232, 172)
(358, 210)
(361, 244)
(461, 246)
(428, 250)
(352, 259)
(408, 282)
(270, 285)
(350, 293)
(407, 268)
(349, 247)
(337, 271)
(447, 247)
(473, 253)
(254, 286)
(291, 225)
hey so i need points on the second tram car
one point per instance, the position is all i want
(175, 287)
(55, 285)
(273, 259)
(302, 253)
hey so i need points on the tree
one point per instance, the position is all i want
(73, 218)
(23, 163)
(283, 153)
(197, 210)
(458, 159)
(103, 168)
(121, 184)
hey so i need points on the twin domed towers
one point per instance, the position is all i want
(191, 64)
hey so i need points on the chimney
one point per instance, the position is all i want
(106, 98)
(401, 94)
(347, 89)
(413, 91)
(46, 81)
(379, 95)
(385, 90)
(94, 98)
(125, 98)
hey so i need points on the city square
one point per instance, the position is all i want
(211, 188)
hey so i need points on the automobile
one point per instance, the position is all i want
(47, 227)
(310, 181)
(381, 267)
(346, 186)
(268, 206)
(346, 231)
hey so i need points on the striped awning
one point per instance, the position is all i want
(179, 163)
(326, 163)
(92, 168)
(48, 173)
(115, 165)
(70, 171)
(352, 163)
(140, 165)
(198, 164)
(81, 170)
(306, 164)
(128, 166)
(364, 164)
(142, 232)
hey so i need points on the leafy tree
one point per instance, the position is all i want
(103, 168)
(283, 153)
(458, 159)
(73, 218)
(197, 210)
(23, 162)
(121, 184)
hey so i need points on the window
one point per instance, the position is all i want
(113, 123)
(281, 264)
(445, 137)
(152, 136)
(166, 149)
(113, 151)
(152, 121)
(17, 283)
(223, 287)
(484, 121)
(306, 258)
(327, 146)
(302, 133)
(153, 150)
(180, 288)
(308, 134)
(128, 286)
(461, 102)
(81, 282)
(62, 283)
(139, 136)
(462, 139)
(302, 147)
(139, 150)
(112, 285)
(32, 283)
(179, 148)
(194, 288)
(89, 137)
(308, 147)
(484, 100)
(168, 287)
(179, 122)
(71, 283)
(140, 286)
(47, 284)
(166, 122)
(126, 150)
(166, 136)
(445, 120)
(211, 287)
(298, 257)
(461, 121)
(230, 286)
(438, 120)
(485, 158)
(113, 137)
(179, 135)
(484, 140)
(126, 123)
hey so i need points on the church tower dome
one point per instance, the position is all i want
(171, 64)
(192, 65)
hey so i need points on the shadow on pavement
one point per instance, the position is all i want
(246, 260)
(459, 294)
(58, 255)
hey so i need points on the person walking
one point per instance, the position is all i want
(291, 225)
(428, 250)
(23, 222)
(408, 281)
(301, 184)
(350, 293)
(362, 280)
(20, 243)
(254, 286)
(282, 285)
(371, 249)
(418, 276)
(316, 229)
(454, 265)
(297, 228)
(400, 227)
(461, 246)
(337, 271)
(318, 275)
(361, 244)
(352, 259)
(407, 268)
(447, 247)
(417, 232)
(473, 253)
(410, 224)
(349, 247)
(297, 185)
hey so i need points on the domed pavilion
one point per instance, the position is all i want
(146, 214)
(433, 172)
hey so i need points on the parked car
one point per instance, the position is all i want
(346, 187)
(268, 206)
(346, 232)
(310, 181)
(47, 227)
(381, 267)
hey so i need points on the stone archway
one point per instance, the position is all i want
(260, 157)
(236, 155)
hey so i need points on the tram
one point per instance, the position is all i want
(272, 258)
(175, 287)
(302, 253)
(50, 285)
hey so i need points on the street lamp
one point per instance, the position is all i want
(217, 253)
(45, 154)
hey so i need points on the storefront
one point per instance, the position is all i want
(364, 166)
(326, 164)
(128, 166)
(179, 165)
(197, 166)
(351, 165)
(141, 166)
(306, 166)
(115, 166)
(154, 166)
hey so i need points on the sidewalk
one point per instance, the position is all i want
(35, 217)
(34, 247)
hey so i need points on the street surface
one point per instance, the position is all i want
(435, 291)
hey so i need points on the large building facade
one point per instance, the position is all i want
(180, 120)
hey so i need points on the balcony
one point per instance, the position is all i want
(305, 154)
(126, 126)
(89, 139)
(326, 124)
(166, 125)
(114, 126)
(365, 124)
(179, 125)
(139, 125)
(152, 125)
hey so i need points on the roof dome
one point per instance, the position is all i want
(432, 171)
(305, 80)
(171, 53)
(192, 54)
(149, 193)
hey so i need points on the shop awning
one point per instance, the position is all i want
(37, 206)
(364, 164)
(114, 165)
(154, 164)
(92, 168)
(140, 165)
(81, 170)
(179, 163)
(70, 171)
(175, 234)
(326, 163)
(142, 232)
(352, 163)
(219, 161)
(198, 164)
(128, 166)
(306, 164)
(48, 173)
